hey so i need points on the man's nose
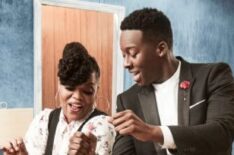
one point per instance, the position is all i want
(127, 62)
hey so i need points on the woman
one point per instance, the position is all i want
(77, 127)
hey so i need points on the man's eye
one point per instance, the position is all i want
(133, 53)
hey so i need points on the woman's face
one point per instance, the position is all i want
(77, 102)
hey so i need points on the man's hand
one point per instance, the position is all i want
(127, 123)
(82, 144)
(14, 147)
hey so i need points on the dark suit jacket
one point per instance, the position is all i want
(205, 113)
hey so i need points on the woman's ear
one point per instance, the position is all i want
(162, 48)
(57, 98)
(97, 91)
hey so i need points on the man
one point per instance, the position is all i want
(175, 107)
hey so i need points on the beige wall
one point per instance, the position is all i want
(14, 123)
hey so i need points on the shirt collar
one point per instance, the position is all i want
(63, 119)
(173, 79)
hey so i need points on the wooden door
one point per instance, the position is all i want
(94, 30)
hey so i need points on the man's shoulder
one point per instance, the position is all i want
(203, 64)
(197, 67)
(209, 66)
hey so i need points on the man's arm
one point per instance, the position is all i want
(216, 134)
(123, 144)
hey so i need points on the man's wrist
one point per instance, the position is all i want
(156, 134)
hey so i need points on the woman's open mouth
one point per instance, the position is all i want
(75, 107)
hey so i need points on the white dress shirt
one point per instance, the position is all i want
(167, 102)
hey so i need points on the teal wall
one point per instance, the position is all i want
(16, 52)
(203, 32)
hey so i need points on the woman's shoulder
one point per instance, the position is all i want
(43, 115)
(99, 120)
(99, 124)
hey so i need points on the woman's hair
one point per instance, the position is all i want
(76, 65)
(153, 23)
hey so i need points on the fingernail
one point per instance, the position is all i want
(109, 119)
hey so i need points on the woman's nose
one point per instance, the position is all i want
(77, 94)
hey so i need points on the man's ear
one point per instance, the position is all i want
(162, 48)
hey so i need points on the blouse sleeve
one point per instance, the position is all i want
(36, 135)
(104, 131)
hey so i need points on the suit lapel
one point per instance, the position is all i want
(148, 105)
(148, 101)
(150, 111)
(184, 94)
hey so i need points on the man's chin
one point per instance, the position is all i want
(140, 83)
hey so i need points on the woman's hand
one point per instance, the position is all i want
(14, 147)
(82, 144)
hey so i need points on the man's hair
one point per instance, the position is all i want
(76, 65)
(153, 23)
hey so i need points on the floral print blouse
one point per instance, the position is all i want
(36, 136)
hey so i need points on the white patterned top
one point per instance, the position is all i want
(36, 136)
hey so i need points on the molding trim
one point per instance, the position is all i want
(118, 70)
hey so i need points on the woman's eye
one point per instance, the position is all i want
(70, 88)
(88, 92)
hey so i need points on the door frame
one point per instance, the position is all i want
(117, 67)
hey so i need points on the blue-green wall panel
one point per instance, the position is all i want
(16, 53)
(203, 32)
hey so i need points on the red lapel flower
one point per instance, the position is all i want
(185, 84)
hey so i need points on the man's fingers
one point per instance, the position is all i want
(110, 119)
(125, 125)
(121, 113)
(122, 117)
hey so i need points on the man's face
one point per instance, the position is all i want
(140, 58)
(77, 102)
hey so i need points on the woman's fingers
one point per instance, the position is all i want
(14, 146)
(80, 144)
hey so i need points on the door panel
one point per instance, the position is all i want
(94, 30)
